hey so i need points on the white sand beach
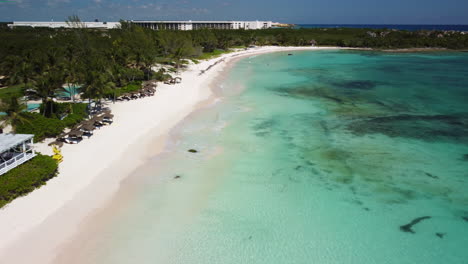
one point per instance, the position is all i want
(34, 227)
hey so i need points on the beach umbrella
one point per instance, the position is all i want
(96, 118)
(76, 133)
(56, 143)
(87, 122)
(88, 127)
(62, 135)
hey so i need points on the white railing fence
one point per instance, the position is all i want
(15, 162)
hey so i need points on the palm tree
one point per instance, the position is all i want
(97, 85)
(73, 71)
(184, 49)
(13, 109)
(20, 71)
(45, 87)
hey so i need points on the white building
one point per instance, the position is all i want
(193, 25)
(15, 149)
(152, 24)
(34, 24)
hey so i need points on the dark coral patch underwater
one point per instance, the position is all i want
(450, 127)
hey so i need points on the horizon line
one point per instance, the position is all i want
(305, 23)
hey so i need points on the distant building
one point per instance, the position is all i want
(152, 24)
(193, 25)
(35, 24)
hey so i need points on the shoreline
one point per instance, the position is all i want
(93, 171)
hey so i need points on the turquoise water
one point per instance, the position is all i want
(32, 106)
(318, 157)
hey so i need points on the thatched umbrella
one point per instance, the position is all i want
(75, 133)
(96, 118)
(56, 143)
(88, 127)
(107, 115)
(87, 122)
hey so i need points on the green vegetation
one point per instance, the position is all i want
(66, 115)
(118, 91)
(213, 54)
(13, 109)
(26, 177)
(12, 91)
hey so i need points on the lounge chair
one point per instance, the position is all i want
(73, 140)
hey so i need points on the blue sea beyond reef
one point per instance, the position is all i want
(388, 26)
(321, 157)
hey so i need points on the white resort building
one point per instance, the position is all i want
(52, 24)
(193, 25)
(15, 149)
(152, 24)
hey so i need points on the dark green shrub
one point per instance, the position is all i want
(40, 126)
(160, 76)
(131, 87)
(62, 109)
(26, 177)
(43, 127)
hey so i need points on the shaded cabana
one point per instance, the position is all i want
(96, 121)
(87, 128)
(15, 149)
(75, 134)
(107, 118)
(74, 137)
(125, 96)
(135, 95)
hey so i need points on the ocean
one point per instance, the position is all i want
(319, 157)
(388, 26)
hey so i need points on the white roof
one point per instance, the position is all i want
(8, 141)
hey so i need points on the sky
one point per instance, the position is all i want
(286, 11)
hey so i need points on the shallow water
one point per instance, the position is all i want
(318, 157)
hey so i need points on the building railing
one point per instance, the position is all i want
(15, 162)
